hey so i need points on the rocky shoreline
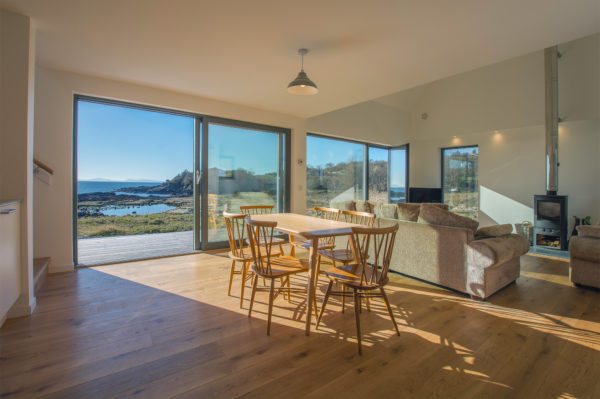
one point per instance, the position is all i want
(91, 204)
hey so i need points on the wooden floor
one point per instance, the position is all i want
(166, 328)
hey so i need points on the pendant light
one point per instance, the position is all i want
(302, 85)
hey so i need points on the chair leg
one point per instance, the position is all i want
(231, 276)
(368, 303)
(343, 297)
(324, 303)
(357, 316)
(281, 249)
(271, 295)
(282, 284)
(253, 292)
(244, 271)
(389, 308)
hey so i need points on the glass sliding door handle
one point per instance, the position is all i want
(197, 177)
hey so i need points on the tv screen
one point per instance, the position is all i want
(421, 194)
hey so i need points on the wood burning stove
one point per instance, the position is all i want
(550, 221)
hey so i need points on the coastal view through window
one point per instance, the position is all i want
(336, 171)
(134, 183)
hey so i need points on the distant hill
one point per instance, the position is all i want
(180, 185)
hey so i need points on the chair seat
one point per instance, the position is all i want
(350, 275)
(283, 266)
(338, 255)
(247, 253)
(307, 244)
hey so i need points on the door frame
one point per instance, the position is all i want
(201, 141)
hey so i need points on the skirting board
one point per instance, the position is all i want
(20, 309)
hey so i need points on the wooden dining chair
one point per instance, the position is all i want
(239, 252)
(345, 255)
(368, 277)
(271, 268)
(325, 243)
(262, 210)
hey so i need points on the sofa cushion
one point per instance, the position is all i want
(365, 206)
(431, 214)
(408, 211)
(589, 231)
(344, 205)
(386, 211)
(497, 230)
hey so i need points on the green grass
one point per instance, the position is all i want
(104, 226)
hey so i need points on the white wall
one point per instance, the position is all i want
(53, 146)
(508, 98)
(17, 60)
(368, 121)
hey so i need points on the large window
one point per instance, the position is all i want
(460, 182)
(334, 171)
(378, 174)
(339, 170)
(152, 182)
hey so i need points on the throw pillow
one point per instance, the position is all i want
(408, 211)
(364, 206)
(344, 205)
(431, 214)
(387, 211)
(494, 231)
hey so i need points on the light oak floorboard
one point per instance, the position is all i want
(166, 328)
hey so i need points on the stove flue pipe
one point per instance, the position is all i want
(551, 77)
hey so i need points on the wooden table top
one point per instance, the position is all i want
(306, 226)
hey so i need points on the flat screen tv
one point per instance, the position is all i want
(421, 194)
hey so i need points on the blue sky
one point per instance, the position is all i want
(120, 143)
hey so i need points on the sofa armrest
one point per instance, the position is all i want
(497, 250)
(585, 248)
(589, 231)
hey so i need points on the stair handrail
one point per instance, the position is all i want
(43, 166)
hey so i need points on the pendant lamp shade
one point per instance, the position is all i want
(302, 85)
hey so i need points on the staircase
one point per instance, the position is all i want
(40, 271)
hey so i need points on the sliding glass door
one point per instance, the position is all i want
(246, 166)
(151, 182)
(134, 186)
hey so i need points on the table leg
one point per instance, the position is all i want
(310, 289)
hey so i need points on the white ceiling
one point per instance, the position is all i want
(244, 51)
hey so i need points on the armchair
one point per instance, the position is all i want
(585, 256)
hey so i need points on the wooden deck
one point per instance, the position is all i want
(166, 328)
(92, 251)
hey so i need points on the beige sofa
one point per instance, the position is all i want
(460, 258)
(585, 256)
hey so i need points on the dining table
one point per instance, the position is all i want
(311, 229)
